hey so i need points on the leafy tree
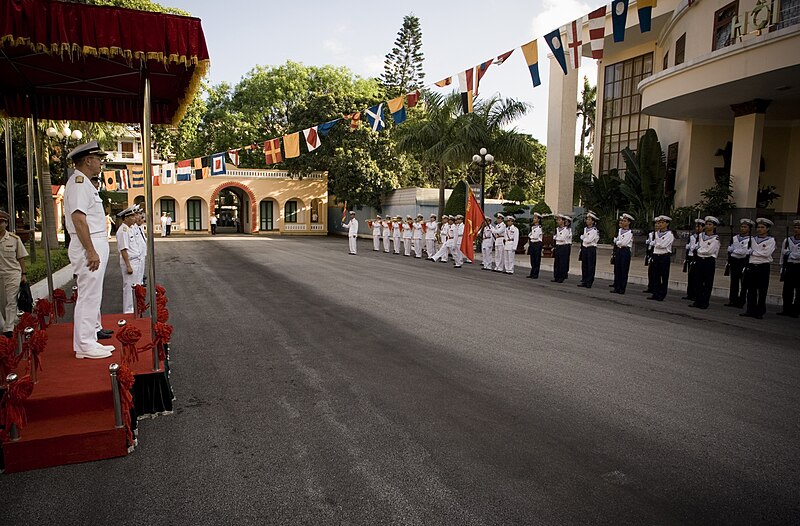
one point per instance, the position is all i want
(604, 197)
(141, 5)
(515, 205)
(587, 110)
(457, 202)
(402, 69)
(645, 177)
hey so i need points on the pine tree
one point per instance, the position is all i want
(402, 69)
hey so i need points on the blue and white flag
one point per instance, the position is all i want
(619, 17)
(168, 174)
(375, 118)
(218, 164)
(553, 39)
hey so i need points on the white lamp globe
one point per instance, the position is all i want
(483, 151)
(476, 158)
(51, 132)
(66, 131)
(490, 158)
(77, 135)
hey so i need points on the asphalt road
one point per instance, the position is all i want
(315, 387)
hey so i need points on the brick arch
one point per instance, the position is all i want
(250, 194)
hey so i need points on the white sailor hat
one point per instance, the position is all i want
(510, 218)
(352, 212)
(131, 210)
(666, 219)
(764, 221)
(499, 216)
(627, 216)
(377, 216)
(537, 214)
(746, 221)
(90, 148)
(796, 222)
(565, 217)
(459, 216)
(592, 215)
(409, 217)
(420, 215)
(445, 216)
(711, 219)
(700, 221)
(433, 215)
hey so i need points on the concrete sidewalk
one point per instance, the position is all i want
(638, 273)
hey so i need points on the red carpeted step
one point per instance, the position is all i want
(65, 440)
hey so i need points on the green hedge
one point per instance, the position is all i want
(59, 259)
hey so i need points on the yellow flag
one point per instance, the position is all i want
(395, 105)
(291, 145)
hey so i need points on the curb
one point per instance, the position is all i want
(60, 278)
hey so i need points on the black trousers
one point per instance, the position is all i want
(561, 254)
(659, 264)
(651, 275)
(704, 269)
(691, 279)
(588, 265)
(169, 229)
(791, 289)
(535, 252)
(757, 285)
(622, 265)
(738, 291)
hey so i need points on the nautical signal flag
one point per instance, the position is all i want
(502, 58)
(122, 179)
(291, 145)
(480, 71)
(597, 31)
(397, 109)
(197, 163)
(198, 174)
(465, 84)
(234, 155)
(156, 175)
(355, 120)
(137, 179)
(168, 174)
(644, 8)
(375, 118)
(444, 82)
(312, 138)
(553, 39)
(574, 43)
(324, 129)
(184, 171)
(619, 17)
(531, 52)
(344, 211)
(412, 98)
(110, 180)
(272, 151)
(218, 164)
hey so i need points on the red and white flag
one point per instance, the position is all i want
(412, 98)
(312, 138)
(234, 155)
(574, 43)
(597, 31)
(480, 71)
(502, 58)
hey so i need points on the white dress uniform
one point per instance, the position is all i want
(430, 237)
(376, 235)
(81, 195)
(11, 251)
(397, 232)
(447, 242)
(487, 243)
(141, 237)
(511, 240)
(164, 225)
(444, 230)
(387, 233)
(457, 232)
(406, 239)
(416, 237)
(127, 239)
(499, 231)
(352, 233)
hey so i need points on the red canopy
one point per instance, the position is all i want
(68, 61)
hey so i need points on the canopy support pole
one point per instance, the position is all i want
(31, 157)
(12, 223)
(37, 141)
(147, 167)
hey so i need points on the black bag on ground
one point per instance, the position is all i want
(24, 297)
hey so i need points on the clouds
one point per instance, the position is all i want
(556, 13)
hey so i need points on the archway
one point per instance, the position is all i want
(235, 206)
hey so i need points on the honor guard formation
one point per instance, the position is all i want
(750, 253)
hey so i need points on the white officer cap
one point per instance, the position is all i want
(445, 216)
(499, 216)
(746, 221)
(510, 218)
(409, 217)
(565, 217)
(666, 219)
(90, 148)
(764, 221)
(420, 215)
(352, 213)
(131, 210)
(627, 216)
(711, 219)
(433, 216)
(700, 221)
(537, 214)
(459, 216)
(377, 216)
(592, 215)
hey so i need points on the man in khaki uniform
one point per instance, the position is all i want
(12, 272)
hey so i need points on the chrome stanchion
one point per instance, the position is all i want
(31, 358)
(19, 335)
(13, 432)
(113, 370)
(74, 292)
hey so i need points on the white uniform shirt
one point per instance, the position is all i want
(11, 251)
(141, 238)
(406, 231)
(536, 233)
(708, 246)
(376, 228)
(662, 242)
(624, 238)
(443, 231)
(793, 250)
(590, 237)
(447, 233)
(511, 238)
(691, 246)
(396, 230)
(499, 231)
(81, 195)
(740, 246)
(352, 227)
(430, 233)
(163, 223)
(488, 238)
(417, 230)
(563, 236)
(385, 226)
(762, 250)
(457, 231)
(126, 240)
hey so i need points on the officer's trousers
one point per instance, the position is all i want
(128, 281)
(90, 292)
(9, 288)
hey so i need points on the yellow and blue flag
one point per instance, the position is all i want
(531, 52)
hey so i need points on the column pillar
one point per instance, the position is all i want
(748, 136)
(562, 117)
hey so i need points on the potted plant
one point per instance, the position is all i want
(548, 227)
(514, 206)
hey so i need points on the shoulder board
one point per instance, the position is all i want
(124, 228)
(15, 236)
(78, 178)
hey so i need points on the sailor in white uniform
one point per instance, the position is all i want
(416, 235)
(130, 255)
(352, 233)
(431, 228)
(758, 269)
(457, 232)
(375, 225)
(738, 256)
(499, 233)
(487, 243)
(510, 242)
(397, 232)
(446, 231)
(386, 231)
(707, 252)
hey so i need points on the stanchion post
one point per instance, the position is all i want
(113, 370)
(31, 357)
(13, 432)
(19, 335)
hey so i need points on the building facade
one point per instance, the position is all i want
(718, 80)
(244, 201)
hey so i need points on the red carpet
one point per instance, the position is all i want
(71, 411)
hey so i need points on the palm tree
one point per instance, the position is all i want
(587, 109)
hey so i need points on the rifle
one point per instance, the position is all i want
(689, 257)
(614, 251)
(648, 253)
(728, 262)
(785, 257)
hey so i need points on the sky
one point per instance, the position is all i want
(241, 34)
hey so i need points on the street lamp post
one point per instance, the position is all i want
(483, 159)
(63, 136)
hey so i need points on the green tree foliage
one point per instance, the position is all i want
(587, 110)
(457, 202)
(645, 177)
(402, 69)
(604, 197)
(515, 205)
(141, 5)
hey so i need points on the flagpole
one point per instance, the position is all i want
(147, 168)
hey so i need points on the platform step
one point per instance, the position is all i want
(65, 440)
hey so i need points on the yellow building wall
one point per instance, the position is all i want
(311, 193)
